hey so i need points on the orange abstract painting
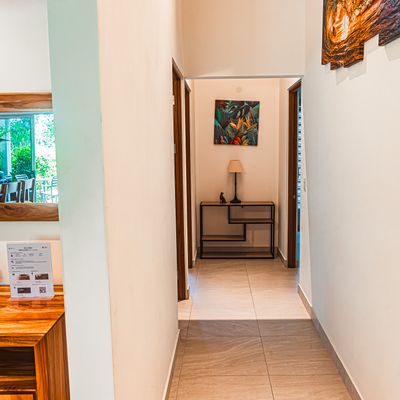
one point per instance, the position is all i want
(348, 24)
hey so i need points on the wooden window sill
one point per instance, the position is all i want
(14, 212)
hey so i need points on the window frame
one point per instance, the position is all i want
(17, 104)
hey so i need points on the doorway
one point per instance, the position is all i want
(178, 167)
(294, 179)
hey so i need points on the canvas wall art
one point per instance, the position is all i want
(348, 24)
(236, 122)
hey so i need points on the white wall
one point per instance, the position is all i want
(76, 103)
(25, 67)
(353, 164)
(260, 179)
(136, 81)
(235, 38)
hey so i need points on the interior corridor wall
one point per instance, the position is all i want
(261, 163)
(121, 236)
(232, 38)
(352, 141)
(136, 82)
(25, 67)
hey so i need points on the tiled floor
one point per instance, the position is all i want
(245, 335)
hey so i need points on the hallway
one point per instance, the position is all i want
(245, 335)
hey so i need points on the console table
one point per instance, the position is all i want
(33, 353)
(267, 218)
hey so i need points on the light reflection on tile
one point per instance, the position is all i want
(245, 329)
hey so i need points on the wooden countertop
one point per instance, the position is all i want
(25, 323)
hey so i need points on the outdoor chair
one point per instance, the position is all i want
(28, 190)
(12, 192)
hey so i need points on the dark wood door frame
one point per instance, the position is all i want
(292, 172)
(178, 161)
(188, 177)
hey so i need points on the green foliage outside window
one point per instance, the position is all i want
(16, 132)
(21, 161)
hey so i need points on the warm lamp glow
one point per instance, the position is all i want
(235, 166)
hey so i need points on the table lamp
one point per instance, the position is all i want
(235, 167)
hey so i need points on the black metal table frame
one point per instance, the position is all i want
(231, 221)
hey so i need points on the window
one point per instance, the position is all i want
(28, 171)
(27, 150)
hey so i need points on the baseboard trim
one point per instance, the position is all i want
(306, 302)
(171, 368)
(280, 255)
(348, 382)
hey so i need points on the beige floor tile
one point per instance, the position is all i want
(223, 304)
(301, 361)
(173, 389)
(206, 262)
(265, 262)
(300, 327)
(325, 387)
(276, 304)
(183, 327)
(184, 309)
(292, 343)
(223, 356)
(222, 276)
(223, 328)
(225, 388)
(268, 281)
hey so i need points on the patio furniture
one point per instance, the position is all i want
(54, 189)
(5, 178)
(22, 177)
(11, 192)
(28, 190)
(3, 193)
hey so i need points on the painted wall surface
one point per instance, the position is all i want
(76, 102)
(138, 153)
(25, 67)
(236, 39)
(25, 64)
(352, 141)
(260, 179)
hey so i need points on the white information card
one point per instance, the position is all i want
(31, 274)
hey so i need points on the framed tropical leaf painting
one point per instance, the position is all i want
(236, 122)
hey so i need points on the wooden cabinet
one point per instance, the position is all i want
(33, 353)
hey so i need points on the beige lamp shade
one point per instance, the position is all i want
(235, 166)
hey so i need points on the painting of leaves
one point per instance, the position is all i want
(236, 122)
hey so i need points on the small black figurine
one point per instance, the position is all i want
(222, 198)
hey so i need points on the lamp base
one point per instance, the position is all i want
(236, 200)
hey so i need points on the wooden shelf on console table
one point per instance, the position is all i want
(33, 353)
(238, 252)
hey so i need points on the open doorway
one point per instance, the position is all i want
(294, 178)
